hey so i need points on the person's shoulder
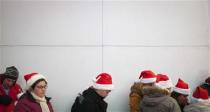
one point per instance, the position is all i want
(23, 98)
(17, 87)
(136, 86)
(171, 100)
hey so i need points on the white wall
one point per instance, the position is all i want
(209, 30)
(0, 33)
(58, 39)
(63, 40)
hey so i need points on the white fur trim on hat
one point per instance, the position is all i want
(147, 80)
(103, 86)
(164, 84)
(200, 100)
(182, 91)
(33, 79)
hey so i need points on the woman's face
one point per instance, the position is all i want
(40, 89)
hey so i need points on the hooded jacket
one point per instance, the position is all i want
(158, 100)
(135, 97)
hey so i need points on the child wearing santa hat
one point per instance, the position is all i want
(92, 99)
(200, 101)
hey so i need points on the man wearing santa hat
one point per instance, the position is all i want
(92, 99)
(147, 78)
(180, 93)
(200, 101)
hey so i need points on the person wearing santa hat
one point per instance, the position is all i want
(200, 101)
(9, 89)
(147, 78)
(34, 99)
(180, 93)
(164, 82)
(92, 99)
(157, 98)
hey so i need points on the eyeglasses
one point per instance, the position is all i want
(41, 87)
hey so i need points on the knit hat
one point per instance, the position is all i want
(163, 81)
(32, 78)
(201, 95)
(147, 76)
(11, 72)
(103, 81)
(182, 87)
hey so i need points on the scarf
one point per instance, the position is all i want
(42, 101)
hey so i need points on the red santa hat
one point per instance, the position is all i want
(182, 87)
(201, 95)
(163, 81)
(32, 78)
(103, 81)
(147, 76)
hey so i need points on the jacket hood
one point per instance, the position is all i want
(153, 96)
(153, 100)
(151, 90)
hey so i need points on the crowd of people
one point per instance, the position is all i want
(156, 93)
(151, 93)
(14, 99)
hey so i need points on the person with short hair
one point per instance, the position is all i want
(92, 99)
(9, 89)
(34, 99)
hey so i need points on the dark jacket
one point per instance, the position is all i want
(207, 87)
(156, 101)
(27, 103)
(89, 101)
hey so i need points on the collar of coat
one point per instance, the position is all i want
(31, 98)
(151, 90)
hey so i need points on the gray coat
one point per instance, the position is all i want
(197, 107)
(155, 101)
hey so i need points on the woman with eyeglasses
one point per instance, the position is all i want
(34, 100)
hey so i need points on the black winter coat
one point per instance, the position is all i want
(89, 101)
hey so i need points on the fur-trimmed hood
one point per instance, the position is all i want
(154, 95)
(158, 100)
